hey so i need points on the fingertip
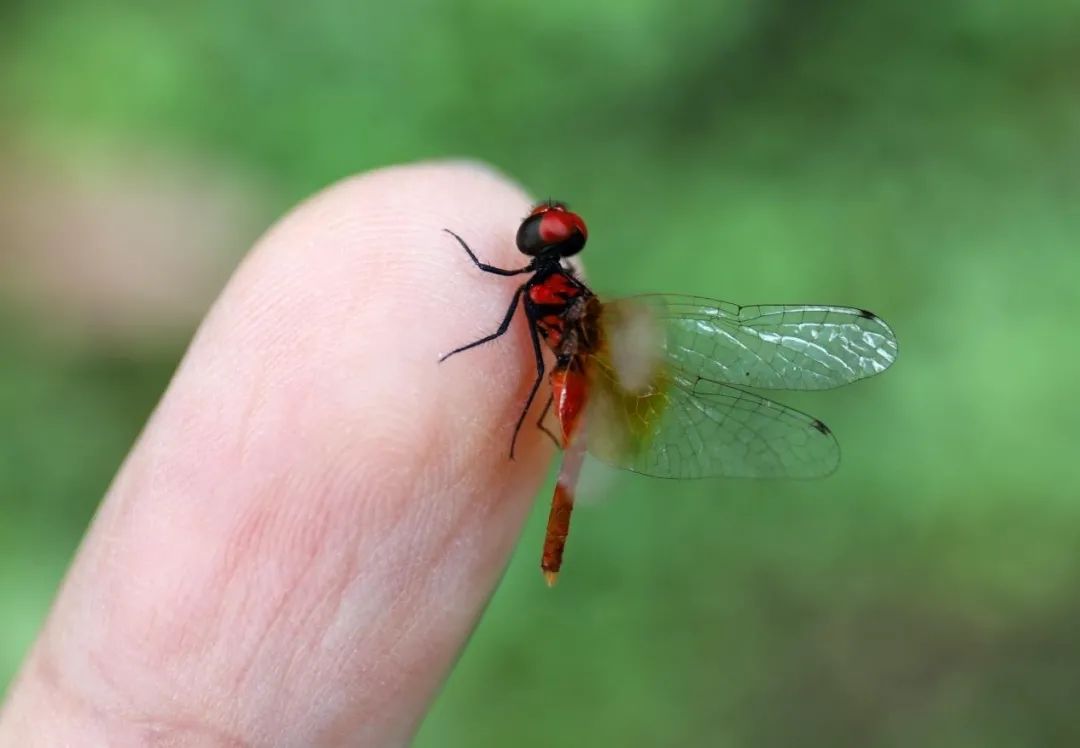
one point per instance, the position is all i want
(376, 257)
(315, 488)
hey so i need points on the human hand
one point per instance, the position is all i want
(303, 537)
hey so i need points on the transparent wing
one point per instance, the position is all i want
(684, 428)
(792, 347)
(665, 374)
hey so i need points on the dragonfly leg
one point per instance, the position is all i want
(483, 265)
(538, 353)
(540, 424)
(503, 327)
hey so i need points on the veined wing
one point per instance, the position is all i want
(677, 427)
(792, 346)
(654, 408)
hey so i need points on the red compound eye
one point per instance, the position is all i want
(559, 225)
(552, 228)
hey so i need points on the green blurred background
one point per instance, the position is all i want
(918, 159)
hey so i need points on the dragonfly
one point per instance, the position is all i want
(664, 384)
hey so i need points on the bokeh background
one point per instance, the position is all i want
(918, 159)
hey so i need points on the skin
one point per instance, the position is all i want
(300, 542)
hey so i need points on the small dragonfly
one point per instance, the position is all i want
(661, 384)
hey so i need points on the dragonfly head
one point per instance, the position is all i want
(551, 230)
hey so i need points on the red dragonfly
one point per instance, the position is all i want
(658, 384)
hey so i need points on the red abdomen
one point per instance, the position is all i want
(568, 392)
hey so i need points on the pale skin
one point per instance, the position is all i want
(303, 537)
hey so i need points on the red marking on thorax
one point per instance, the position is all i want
(555, 290)
(569, 391)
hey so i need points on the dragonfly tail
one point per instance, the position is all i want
(558, 527)
(568, 387)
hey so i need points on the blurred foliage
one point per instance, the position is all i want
(918, 159)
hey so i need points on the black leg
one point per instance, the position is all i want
(536, 383)
(503, 327)
(483, 265)
(540, 423)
